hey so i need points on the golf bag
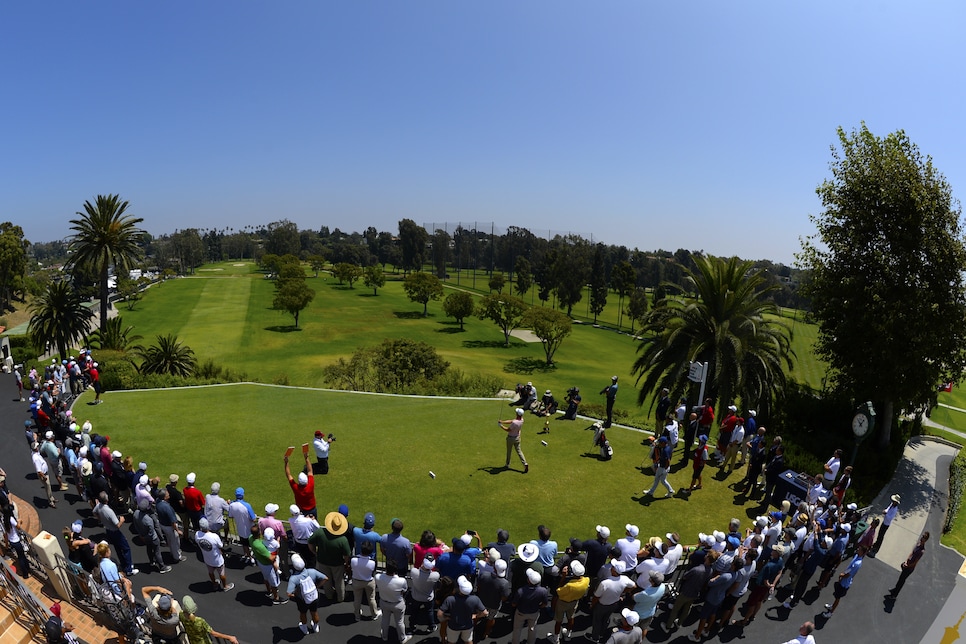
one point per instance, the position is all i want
(600, 440)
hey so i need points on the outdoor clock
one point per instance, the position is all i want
(863, 421)
(860, 424)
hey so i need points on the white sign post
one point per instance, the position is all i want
(698, 372)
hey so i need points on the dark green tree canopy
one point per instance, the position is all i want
(59, 316)
(13, 261)
(292, 294)
(105, 236)
(422, 287)
(116, 337)
(374, 278)
(459, 305)
(551, 326)
(169, 356)
(887, 265)
(413, 239)
(346, 272)
(283, 238)
(524, 276)
(505, 311)
(497, 282)
(730, 324)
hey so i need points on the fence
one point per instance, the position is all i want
(23, 597)
(122, 614)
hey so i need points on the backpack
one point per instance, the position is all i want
(310, 592)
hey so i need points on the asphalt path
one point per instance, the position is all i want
(865, 615)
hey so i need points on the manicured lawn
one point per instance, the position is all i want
(385, 450)
(388, 445)
(228, 318)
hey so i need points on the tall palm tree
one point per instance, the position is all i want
(170, 356)
(59, 316)
(729, 325)
(115, 336)
(104, 236)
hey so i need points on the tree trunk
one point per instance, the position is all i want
(884, 416)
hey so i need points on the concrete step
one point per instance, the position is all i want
(16, 634)
(6, 619)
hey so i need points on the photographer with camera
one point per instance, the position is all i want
(573, 402)
(322, 443)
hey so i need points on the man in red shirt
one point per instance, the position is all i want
(96, 381)
(194, 502)
(304, 487)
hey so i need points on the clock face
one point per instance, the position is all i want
(860, 424)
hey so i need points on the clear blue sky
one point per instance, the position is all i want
(702, 125)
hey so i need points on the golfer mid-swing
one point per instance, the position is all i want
(513, 429)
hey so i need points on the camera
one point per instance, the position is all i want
(331, 437)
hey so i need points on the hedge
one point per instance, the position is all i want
(957, 485)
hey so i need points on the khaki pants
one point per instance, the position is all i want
(513, 442)
(45, 481)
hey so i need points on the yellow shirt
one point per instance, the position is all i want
(573, 589)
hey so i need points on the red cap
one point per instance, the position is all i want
(318, 434)
(55, 608)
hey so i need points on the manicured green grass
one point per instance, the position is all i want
(807, 366)
(385, 450)
(388, 445)
(205, 312)
(956, 538)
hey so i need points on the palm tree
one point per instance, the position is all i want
(729, 325)
(170, 356)
(59, 316)
(104, 236)
(115, 336)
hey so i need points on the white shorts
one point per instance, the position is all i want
(453, 635)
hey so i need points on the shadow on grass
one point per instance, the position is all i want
(282, 328)
(492, 470)
(365, 294)
(451, 330)
(408, 315)
(528, 366)
(491, 344)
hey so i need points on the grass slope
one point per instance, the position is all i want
(205, 312)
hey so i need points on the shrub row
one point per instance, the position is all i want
(957, 486)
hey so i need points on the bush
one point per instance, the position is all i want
(22, 350)
(598, 410)
(119, 372)
(208, 369)
(397, 366)
(957, 486)
(455, 382)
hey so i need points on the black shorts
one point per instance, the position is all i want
(303, 607)
(729, 602)
(839, 591)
